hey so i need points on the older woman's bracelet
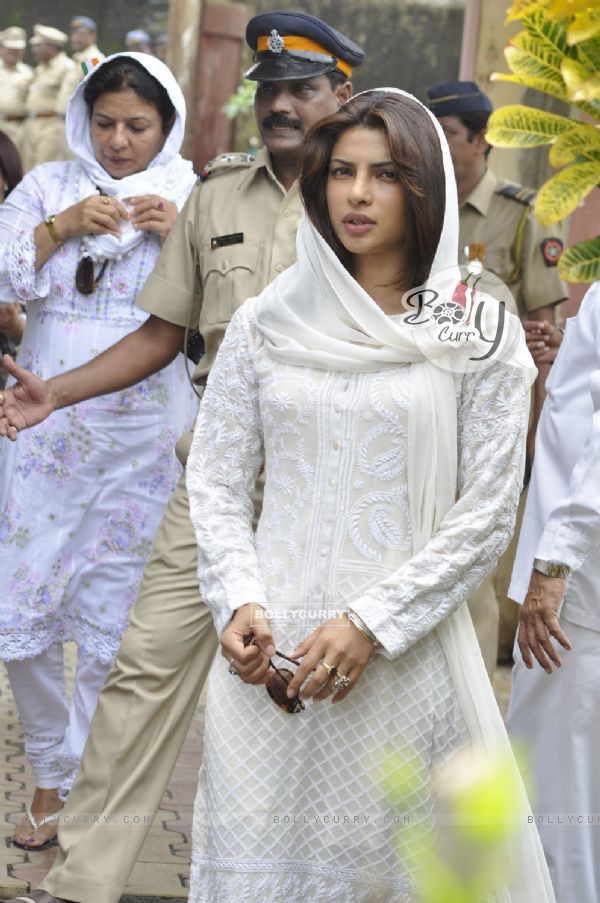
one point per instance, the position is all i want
(49, 224)
(360, 625)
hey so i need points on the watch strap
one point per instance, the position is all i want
(49, 224)
(551, 568)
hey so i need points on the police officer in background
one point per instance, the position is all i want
(15, 78)
(236, 233)
(44, 132)
(82, 36)
(499, 231)
(139, 41)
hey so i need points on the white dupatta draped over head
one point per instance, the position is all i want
(315, 314)
(168, 175)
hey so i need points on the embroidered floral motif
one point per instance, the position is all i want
(54, 452)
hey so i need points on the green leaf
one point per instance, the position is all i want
(520, 126)
(522, 8)
(540, 84)
(523, 63)
(585, 26)
(541, 50)
(560, 9)
(581, 82)
(581, 263)
(552, 34)
(588, 53)
(562, 194)
(582, 140)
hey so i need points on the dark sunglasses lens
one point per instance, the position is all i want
(277, 685)
(84, 276)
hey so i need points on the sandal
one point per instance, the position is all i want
(48, 820)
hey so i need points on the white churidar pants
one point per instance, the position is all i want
(555, 718)
(55, 731)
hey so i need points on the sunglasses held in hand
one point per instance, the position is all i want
(279, 680)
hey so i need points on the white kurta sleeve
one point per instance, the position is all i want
(573, 527)
(224, 463)
(492, 422)
(20, 213)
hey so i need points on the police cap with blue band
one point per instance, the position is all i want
(457, 99)
(291, 45)
(82, 22)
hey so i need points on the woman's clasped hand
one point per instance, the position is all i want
(102, 215)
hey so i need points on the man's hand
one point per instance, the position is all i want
(539, 622)
(27, 402)
(250, 662)
(543, 340)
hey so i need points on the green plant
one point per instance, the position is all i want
(558, 52)
(242, 101)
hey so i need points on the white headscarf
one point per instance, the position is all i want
(315, 314)
(168, 175)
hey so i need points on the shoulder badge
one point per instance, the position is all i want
(552, 249)
(225, 162)
(517, 193)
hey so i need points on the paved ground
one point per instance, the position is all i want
(161, 873)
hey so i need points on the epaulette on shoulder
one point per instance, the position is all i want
(225, 162)
(517, 193)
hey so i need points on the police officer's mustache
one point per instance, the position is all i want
(275, 120)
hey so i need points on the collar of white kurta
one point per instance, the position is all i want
(168, 175)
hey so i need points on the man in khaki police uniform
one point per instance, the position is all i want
(82, 35)
(44, 132)
(15, 78)
(498, 229)
(236, 233)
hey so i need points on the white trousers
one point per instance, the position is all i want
(55, 729)
(555, 718)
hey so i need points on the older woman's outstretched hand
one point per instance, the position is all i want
(96, 215)
(27, 402)
(337, 653)
(153, 214)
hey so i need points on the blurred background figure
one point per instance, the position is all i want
(138, 41)
(44, 131)
(15, 78)
(161, 44)
(12, 319)
(82, 36)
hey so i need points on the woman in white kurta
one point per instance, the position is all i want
(392, 472)
(81, 495)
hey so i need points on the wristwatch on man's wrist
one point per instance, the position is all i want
(551, 568)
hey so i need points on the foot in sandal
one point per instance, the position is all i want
(38, 829)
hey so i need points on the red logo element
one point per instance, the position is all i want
(552, 249)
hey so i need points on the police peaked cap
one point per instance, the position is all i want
(291, 45)
(457, 98)
(83, 22)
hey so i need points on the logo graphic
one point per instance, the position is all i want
(275, 42)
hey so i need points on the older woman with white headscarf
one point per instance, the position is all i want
(82, 495)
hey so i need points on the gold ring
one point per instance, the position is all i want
(105, 200)
(331, 669)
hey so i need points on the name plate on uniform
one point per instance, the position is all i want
(221, 241)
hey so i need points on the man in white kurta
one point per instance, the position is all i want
(555, 715)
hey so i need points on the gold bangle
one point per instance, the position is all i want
(361, 626)
(49, 224)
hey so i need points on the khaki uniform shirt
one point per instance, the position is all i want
(14, 83)
(44, 137)
(516, 247)
(74, 77)
(236, 233)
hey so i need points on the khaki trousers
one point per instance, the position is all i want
(141, 721)
(494, 615)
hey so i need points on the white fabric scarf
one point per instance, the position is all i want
(315, 314)
(168, 175)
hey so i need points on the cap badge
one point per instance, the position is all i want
(275, 42)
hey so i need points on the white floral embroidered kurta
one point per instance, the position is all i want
(81, 495)
(288, 806)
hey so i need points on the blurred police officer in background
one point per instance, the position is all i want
(15, 78)
(499, 232)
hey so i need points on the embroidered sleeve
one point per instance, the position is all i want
(20, 214)
(492, 421)
(224, 463)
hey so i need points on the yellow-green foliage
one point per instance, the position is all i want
(558, 52)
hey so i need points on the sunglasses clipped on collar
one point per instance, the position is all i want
(278, 681)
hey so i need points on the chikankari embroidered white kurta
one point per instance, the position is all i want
(288, 806)
(81, 495)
